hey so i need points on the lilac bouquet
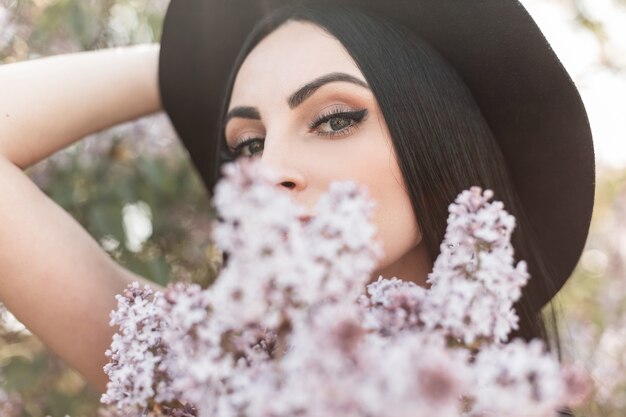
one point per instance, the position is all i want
(293, 326)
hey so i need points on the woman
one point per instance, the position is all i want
(417, 100)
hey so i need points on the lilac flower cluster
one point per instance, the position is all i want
(136, 349)
(6, 23)
(474, 282)
(288, 330)
(10, 404)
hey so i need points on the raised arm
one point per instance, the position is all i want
(54, 276)
(48, 103)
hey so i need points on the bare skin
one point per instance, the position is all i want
(56, 278)
(305, 159)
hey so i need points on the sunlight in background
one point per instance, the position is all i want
(169, 237)
(603, 90)
(137, 222)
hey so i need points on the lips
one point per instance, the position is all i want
(305, 218)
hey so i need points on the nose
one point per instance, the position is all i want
(287, 168)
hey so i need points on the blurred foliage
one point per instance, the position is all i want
(143, 163)
(96, 179)
(610, 59)
(593, 322)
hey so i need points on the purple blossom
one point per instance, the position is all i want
(392, 305)
(136, 349)
(474, 283)
(517, 373)
(291, 318)
(10, 404)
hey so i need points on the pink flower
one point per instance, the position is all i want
(292, 318)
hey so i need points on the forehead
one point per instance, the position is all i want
(290, 56)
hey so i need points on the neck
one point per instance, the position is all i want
(414, 265)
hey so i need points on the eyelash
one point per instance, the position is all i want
(356, 117)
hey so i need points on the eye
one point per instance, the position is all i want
(339, 121)
(251, 145)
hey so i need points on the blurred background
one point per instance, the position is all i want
(133, 188)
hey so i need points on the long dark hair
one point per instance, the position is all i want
(441, 139)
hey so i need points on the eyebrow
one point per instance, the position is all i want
(304, 92)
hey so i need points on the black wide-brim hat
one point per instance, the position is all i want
(525, 94)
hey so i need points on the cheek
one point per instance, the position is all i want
(375, 166)
(397, 227)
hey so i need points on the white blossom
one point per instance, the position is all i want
(293, 319)
(517, 373)
(136, 348)
(474, 283)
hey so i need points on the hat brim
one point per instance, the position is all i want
(525, 94)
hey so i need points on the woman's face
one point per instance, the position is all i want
(314, 120)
